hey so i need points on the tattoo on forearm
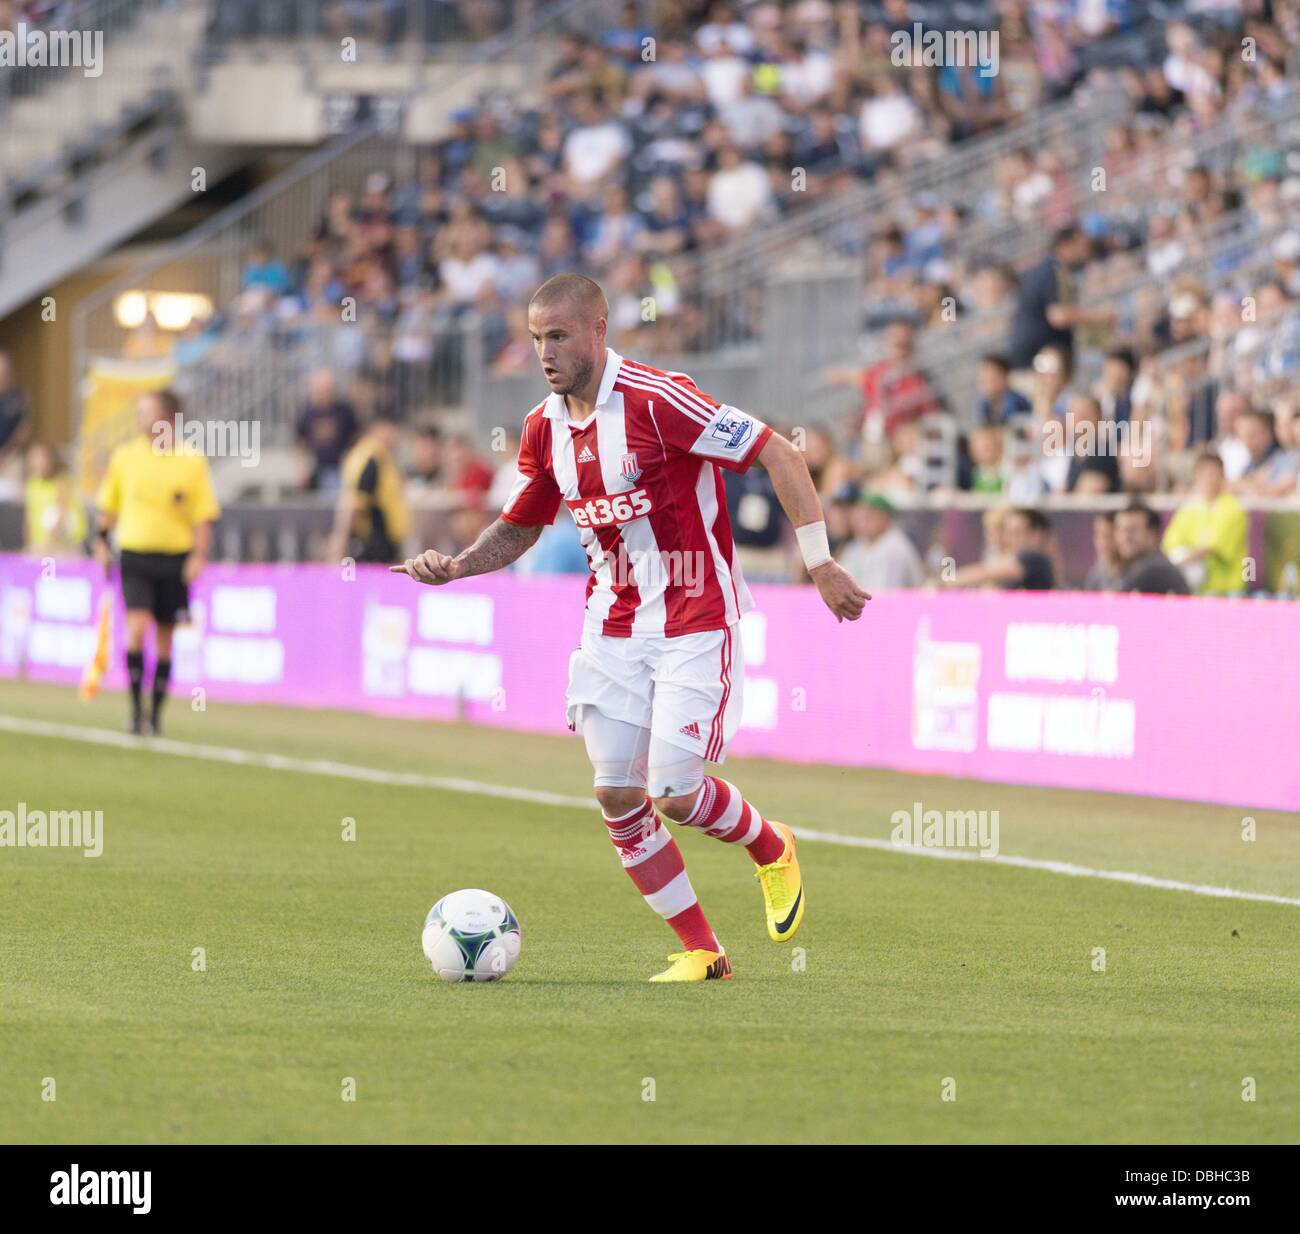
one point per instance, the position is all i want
(497, 547)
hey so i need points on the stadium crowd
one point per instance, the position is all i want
(1117, 338)
(34, 13)
(625, 164)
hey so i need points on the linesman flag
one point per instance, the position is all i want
(98, 666)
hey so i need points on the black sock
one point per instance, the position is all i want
(135, 675)
(161, 676)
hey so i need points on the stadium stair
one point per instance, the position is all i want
(85, 162)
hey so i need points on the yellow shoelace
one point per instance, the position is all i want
(767, 875)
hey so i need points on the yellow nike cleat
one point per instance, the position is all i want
(698, 965)
(782, 890)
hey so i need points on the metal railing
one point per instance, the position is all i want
(1127, 195)
(726, 293)
(948, 355)
(1266, 369)
(307, 29)
(1213, 252)
(259, 370)
(210, 260)
(835, 235)
(44, 109)
(724, 280)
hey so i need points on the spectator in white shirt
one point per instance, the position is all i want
(725, 75)
(595, 147)
(889, 118)
(880, 556)
(467, 272)
(1231, 406)
(504, 471)
(807, 75)
(669, 76)
(751, 118)
(723, 30)
(739, 192)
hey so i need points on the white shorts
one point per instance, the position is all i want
(688, 690)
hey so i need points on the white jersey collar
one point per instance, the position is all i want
(555, 405)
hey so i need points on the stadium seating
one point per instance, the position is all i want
(935, 228)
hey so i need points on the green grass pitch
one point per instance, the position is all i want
(916, 971)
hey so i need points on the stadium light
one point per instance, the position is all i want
(172, 310)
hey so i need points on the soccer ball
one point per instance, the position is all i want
(471, 935)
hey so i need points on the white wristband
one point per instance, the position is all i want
(813, 544)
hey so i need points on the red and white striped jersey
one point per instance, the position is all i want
(641, 478)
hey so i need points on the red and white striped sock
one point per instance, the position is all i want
(720, 811)
(654, 862)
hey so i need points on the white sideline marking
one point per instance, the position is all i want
(1052, 867)
(411, 779)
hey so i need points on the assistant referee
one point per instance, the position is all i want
(159, 496)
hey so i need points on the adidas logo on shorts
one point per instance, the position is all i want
(691, 730)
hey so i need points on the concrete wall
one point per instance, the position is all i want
(283, 101)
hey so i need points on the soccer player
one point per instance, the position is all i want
(655, 687)
(158, 494)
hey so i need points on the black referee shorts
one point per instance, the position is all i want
(156, 581)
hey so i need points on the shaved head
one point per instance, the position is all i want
(567, 320)
(575, 292)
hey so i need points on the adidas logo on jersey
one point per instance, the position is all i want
(586, 456)
(691, 730)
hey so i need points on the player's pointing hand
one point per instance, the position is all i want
(842, 595)
(430, 567)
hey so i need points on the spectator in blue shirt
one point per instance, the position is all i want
(1047, 307)
(264, 269)
(1115, 389)
(998, 402)
(973, 99)
(925, 239)
(628, 38)
(558, 550)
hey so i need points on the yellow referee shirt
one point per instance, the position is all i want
(158, 498)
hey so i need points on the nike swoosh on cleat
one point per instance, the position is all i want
(785, 925)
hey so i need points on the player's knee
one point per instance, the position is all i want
(678, 808)
(675, 782)
(617, 800)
